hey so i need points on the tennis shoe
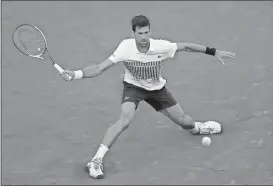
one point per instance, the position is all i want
(209, 127)
(95, 168)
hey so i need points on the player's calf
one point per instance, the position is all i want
(177, 115)
(116, 129)
(185, 121)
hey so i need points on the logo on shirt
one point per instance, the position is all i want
(159, 56)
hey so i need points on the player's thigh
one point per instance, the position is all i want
(161, 99)
(131, 94)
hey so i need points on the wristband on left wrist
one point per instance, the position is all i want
(210, 51)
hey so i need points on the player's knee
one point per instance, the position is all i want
(125, 119)
(185, 122)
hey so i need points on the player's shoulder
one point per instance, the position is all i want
(127, 43)
(159, 41)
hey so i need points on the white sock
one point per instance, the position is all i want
(101, 152)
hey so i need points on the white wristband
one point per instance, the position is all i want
(78, 74)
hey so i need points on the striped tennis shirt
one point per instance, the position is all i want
(144, 69)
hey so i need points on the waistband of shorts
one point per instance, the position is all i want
(140, 88)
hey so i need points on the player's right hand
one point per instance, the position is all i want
(68, 75)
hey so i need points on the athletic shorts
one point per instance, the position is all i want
(158, 99)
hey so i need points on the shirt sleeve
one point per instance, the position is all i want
(173, 49)
(119, 54)
(169, 47)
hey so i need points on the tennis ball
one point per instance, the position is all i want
(206, 141)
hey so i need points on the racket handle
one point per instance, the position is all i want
(58, 68)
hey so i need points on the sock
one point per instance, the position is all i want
(101, 152)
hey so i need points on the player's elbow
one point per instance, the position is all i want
(182, 46)
(98, 70)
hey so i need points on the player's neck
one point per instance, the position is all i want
(143, 49)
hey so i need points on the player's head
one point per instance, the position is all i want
(141, 30)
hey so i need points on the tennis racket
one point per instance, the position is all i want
(30, 40)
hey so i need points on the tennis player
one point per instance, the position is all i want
(143, 57)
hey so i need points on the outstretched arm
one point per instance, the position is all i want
(192, 47)
(88, 72)
(95, 70)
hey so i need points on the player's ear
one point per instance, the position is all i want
(133, 33)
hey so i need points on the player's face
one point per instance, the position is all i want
(142, 35)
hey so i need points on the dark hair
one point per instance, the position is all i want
(140, 21)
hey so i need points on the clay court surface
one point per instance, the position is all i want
(51, 128)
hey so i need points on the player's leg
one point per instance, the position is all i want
(164, 102)
(95, 167)
(177, 115)
(130, 100)
(126, 117)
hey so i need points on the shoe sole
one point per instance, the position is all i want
(98, 177)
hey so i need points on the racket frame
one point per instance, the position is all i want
(57, 67)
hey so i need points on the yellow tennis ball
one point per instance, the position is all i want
(206, 141)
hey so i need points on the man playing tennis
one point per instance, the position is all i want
(143, 57)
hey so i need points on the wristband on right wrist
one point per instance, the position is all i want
(78, 74)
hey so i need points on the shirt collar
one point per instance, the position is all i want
(151, 48)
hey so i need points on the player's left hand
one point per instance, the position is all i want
(222, 54)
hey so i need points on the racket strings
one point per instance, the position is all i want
(29, 40)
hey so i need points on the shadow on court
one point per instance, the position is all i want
(51, 128)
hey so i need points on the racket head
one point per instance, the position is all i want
(30, 40)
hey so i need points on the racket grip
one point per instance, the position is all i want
(58, 68)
